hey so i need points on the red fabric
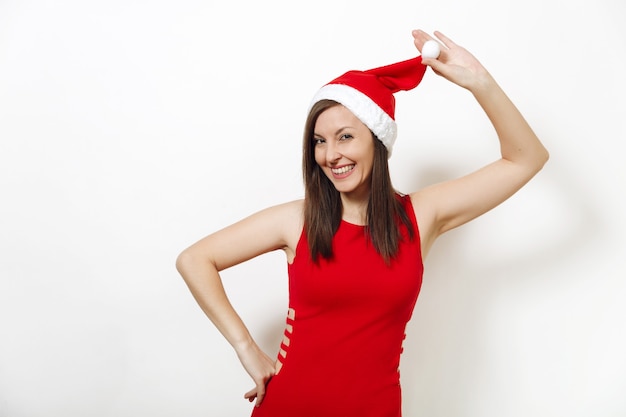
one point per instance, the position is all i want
(379, 84)
(345, 338)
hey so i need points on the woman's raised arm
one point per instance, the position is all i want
(447, 205)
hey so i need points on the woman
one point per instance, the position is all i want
(353, 244)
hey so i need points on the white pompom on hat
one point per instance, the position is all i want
(370, 95)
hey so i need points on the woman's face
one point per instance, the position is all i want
(344, 149)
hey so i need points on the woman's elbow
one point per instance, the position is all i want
(537, 158)
(185, 261)
(542, 158)
(193, 261)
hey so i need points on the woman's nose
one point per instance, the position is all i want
(332, 153)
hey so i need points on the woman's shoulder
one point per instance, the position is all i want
(293, 209)
(289, 215)
(282, 219)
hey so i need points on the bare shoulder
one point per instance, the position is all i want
(276, 227)
(294, 208)
(291, 211)
(284, 221)
(289, 217)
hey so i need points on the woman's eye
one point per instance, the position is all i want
(317, 141)
(345, 136)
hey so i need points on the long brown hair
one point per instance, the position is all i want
(322, 202)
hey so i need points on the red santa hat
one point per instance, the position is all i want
(370, 94)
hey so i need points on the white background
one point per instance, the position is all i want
(131, 128)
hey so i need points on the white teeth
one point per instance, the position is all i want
(342, 170)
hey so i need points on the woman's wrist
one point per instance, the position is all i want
(484, 85)
(243, 344)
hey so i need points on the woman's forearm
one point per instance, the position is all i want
(518, 142)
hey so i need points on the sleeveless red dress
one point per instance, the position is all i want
(345, 327)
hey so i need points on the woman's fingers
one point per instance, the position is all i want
(260, 394)
(260, 367)
(257, 392)
(445, 40)
(250, 395)
(419, 38)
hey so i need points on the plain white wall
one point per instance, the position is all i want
(129, 129)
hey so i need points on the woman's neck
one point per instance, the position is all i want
(354, 210)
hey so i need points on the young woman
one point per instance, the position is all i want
(354, 245)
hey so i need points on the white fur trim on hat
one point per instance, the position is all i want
(363, 107)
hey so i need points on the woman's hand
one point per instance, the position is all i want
(260, 367)
(454, 63)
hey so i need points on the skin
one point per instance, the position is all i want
(342, 140)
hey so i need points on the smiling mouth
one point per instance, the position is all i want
(342, 170)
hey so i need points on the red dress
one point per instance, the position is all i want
(345, 327)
